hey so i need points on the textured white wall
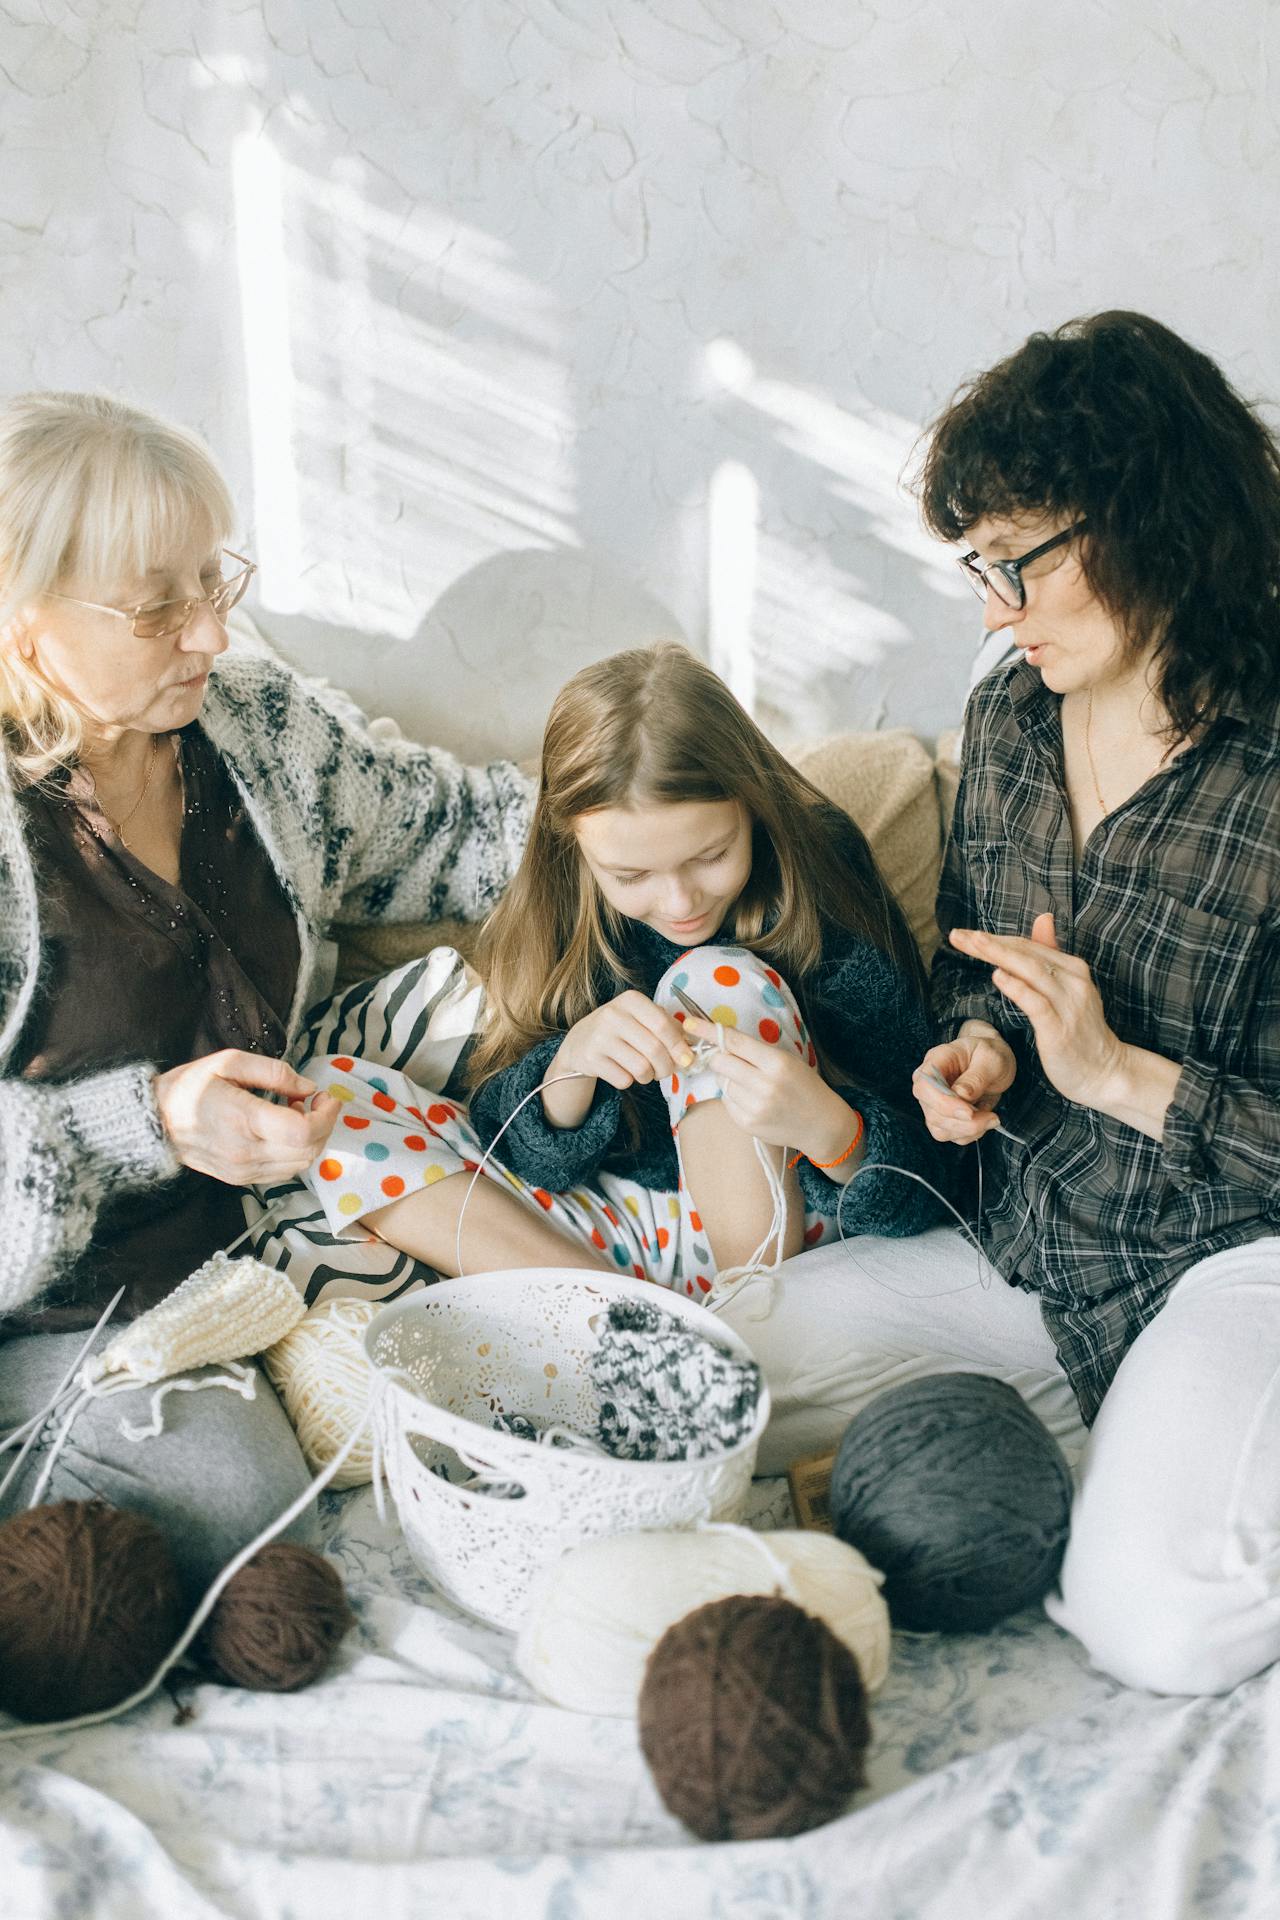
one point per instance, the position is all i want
(516, 322)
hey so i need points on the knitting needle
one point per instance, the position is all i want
(691, 1006)
(37, 1420)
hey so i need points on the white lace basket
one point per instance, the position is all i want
(452, 1358)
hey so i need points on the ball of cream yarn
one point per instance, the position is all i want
(596, 1614)
(322, 1376)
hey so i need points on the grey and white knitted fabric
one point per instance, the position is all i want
(358, 829)
(667, 1392)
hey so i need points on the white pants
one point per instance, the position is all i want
(1172, 1573)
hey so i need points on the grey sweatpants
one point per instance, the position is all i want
(221, 1471)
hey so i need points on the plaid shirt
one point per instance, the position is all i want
(1175, 905)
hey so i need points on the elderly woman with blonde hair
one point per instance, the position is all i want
(178, 828)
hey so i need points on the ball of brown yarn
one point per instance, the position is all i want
(276, 1623)
(90, 1603)
(753, 1719)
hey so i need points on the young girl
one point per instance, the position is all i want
(673, 851)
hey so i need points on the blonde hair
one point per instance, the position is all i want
(94, 490)
(654, 726)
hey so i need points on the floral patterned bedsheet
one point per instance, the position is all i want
(423, 1779)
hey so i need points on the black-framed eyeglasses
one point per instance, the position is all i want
(163, 618)
(1004, 577)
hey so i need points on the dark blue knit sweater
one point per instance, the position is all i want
(864, 1016)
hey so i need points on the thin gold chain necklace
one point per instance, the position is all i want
(1088, 747)
(118, 826)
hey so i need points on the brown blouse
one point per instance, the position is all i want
(135, 969)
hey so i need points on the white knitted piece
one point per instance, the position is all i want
(358, 829)
(226, 1310)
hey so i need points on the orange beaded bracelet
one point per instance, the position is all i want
(826, 1165)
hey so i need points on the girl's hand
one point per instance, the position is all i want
(775, 1096)
(218, 1125)
(977, 1067)
(1081, 1056)
(627, 1042)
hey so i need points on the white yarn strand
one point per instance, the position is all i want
(733, 1279)
(553, 1081)
(983, 1280)
(240, 1379)
(783, 1577)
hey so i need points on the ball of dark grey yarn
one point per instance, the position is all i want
(959, 1494)
(753, 1719)
(90, 1604)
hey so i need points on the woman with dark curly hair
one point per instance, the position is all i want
(1109, 999)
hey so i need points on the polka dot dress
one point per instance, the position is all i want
(392, 1138)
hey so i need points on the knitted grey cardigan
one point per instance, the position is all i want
(357, 830)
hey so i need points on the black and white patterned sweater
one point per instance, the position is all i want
(357, 829)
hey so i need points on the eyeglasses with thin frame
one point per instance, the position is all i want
(164, 618)
(1004, 577)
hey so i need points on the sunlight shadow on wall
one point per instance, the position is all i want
(258, 190)
(733, 515)
(409, 409)
(829, 525)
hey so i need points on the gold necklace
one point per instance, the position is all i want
(118, 826)
(1088, 747)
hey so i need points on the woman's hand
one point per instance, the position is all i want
(776, 1097)
(1081, 1056)
(977, 1066)
(218, 1124)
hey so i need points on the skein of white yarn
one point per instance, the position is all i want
(596, 1614)
(322, 1376)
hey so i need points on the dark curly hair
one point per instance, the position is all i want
(1115, 420)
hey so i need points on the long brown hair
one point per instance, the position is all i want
(654, 726)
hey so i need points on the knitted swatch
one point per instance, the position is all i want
(666, 1392)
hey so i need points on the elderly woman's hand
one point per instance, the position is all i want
(1080, 1054)
(218, 1124)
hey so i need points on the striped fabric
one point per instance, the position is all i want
(422, 1019)
(1175, 907)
